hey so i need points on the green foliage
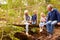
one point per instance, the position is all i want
(10, 30)
(13, 12)
(33, 29)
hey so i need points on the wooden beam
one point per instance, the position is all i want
(23, 25)
(36, 25)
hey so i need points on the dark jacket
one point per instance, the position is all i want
(34, 17)
(58, 17)
(53, 15)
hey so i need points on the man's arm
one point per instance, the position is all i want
(48, 17)
(58, 15)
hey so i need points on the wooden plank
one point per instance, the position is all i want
(23, 25)
(36, 25)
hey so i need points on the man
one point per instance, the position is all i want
(34, 17)
(52, 19)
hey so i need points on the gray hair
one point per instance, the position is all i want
(50, 5)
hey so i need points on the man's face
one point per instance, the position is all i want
(49, 8)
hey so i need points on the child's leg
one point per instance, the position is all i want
(26, 29)
(41, 27)
(33, 22)
(27, 25)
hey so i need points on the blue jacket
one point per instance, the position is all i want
(53, 15)
(58, 17)
(34, 17)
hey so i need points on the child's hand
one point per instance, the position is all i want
(43, 20)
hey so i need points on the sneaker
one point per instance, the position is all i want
(41, 30)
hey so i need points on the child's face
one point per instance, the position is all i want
(43, 15)
(35, 12)
(26, 13)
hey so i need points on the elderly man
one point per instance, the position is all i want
(52, 19)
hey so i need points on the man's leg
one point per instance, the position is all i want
(52, 26)
(48, 26)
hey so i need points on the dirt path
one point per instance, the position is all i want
(56, 35)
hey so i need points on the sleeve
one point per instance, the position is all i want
(30, 17)
(58, 15)
(48, 17)
(24, 18)
(40, 19)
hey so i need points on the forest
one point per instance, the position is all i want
(12, 12)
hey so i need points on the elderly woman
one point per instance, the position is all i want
(52, 19)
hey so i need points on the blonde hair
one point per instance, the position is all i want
(35, 11)
(42, 14)
(26, 11)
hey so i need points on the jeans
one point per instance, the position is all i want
(33, 22)
(50, 26)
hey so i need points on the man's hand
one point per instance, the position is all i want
(58, 23)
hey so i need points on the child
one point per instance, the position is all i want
(34, 17)
(42, 21)
(27, 20)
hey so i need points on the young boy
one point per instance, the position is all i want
(42, 21)
(34, 17)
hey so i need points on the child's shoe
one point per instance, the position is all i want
(27, 33)
(41, 30)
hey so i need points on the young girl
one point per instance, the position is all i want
(42, 21)
(26, 21)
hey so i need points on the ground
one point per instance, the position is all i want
(41, 36)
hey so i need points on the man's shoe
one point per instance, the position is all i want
(50, 36)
